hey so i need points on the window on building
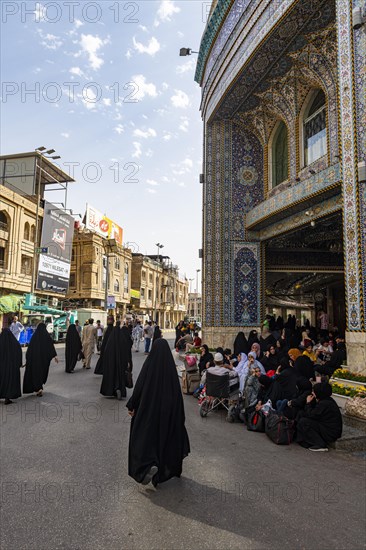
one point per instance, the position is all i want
(2, 257)
(72, 282)
(4, 225)
(116, 285)
(142, 293)
(26, 231)
(117, 263)
(150, 278)
(73, 254)
(149, 294)
(125, 279)
(279, 155)
(26, 265)
(143, 275)
(315, 128)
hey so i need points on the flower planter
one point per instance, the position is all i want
(350, 383)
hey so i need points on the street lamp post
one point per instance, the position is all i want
(110, 247)
(42, 154)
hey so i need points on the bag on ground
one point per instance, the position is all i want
(280, 429)
(256, 421)
(190, 362)
(190, 382)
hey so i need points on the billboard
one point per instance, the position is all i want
(56, 242)
(105, 227)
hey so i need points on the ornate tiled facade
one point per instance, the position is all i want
(258, 65)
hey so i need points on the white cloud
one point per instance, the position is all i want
(138, 150)
(180, 99)
(152, 47)
(152, 182)
(65, 135)
(90, 45)
(184, 125)
(119, 129)
(149, 153)
(181, 184)
(128, 54)
(165, 179)
(107, 101)
(188, 164)
(143, 28)
(150, 190)
(140, 133)
(78, 23)
(144, 88)
(167, 136)
(50, 41)
(77, 71)
(183, 167)
(186, 67)
(165, 12)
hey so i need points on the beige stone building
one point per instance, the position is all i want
(88, 276)
(157, 290)
(195, 306)
(24, 178)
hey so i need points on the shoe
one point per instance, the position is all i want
(150, 474)
(88, 368)
(39, 393)
(319, 449)
(8, 401)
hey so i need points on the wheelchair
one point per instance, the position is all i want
(219, 392)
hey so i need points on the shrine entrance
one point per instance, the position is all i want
(304, 273)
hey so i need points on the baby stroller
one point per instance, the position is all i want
(218, 392)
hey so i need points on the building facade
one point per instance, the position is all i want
(88, 277)
(195, 306)
(157, 290)
(283, 107)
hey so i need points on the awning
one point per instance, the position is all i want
(135, 293)
(11, 303)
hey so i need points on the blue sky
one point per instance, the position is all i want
(112, 95)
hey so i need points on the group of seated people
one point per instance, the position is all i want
(287, 379)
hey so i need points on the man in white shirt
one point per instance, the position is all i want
(137, 335)
(16, 328)
(221, 369)
(100, 329)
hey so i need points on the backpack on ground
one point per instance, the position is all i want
(256, 421)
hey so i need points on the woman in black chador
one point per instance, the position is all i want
(39, 355)
(157, 333)
(72, 348)
(99, 366)
(241, 344)
(11, 359)
(116, 361)
(158, 437)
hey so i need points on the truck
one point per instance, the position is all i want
(83, 314)
(56, 320)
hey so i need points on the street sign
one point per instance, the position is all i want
(111, 302)
(42, 250)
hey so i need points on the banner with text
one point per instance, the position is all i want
(105, 227)
(57, 236)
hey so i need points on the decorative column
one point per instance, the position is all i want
(232, 265)
(352, 124)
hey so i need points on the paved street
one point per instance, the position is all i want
(65, 483)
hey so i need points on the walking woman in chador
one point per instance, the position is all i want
(39, 355)
(158, 437)
(10, 363)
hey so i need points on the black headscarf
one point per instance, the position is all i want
(158, 436)
(204, 359)
(115, 363)
(11, 359)
(252, 338)
(72, 348)
(157, 333)
(40, 353)
(304, 367)
(322, 390)
(241, 344)
(99, 366)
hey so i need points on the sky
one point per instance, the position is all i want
(102, 83)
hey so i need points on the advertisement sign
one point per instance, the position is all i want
(56, 241)
(105, 227)
(111, 302)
